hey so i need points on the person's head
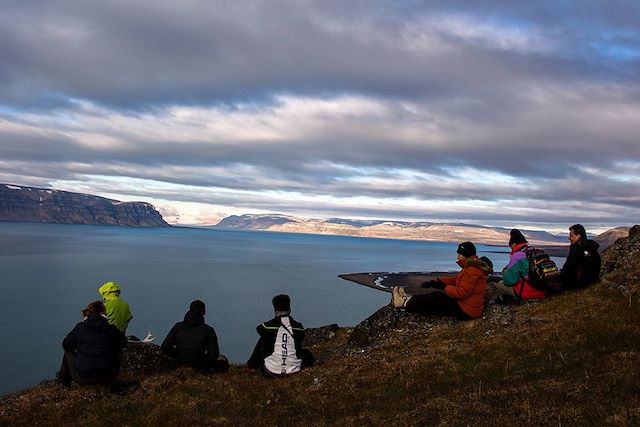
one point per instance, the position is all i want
(94, 307)
(109, 291)
(487, 261)
(197, 307)
(281, 304)
(516, 237)
(577, 232)
(466, 250)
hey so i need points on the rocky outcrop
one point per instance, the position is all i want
(29, 204)
(621, 263)
(143, 358)
(609, 237)
(384, 229)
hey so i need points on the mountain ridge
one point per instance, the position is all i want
(386, 229)
(32, 204)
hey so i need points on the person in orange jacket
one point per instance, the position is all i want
(461, 296)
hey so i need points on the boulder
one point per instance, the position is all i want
(621, 263)
(141, 359)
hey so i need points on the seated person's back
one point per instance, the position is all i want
(194, 343)
(92, 349)
(279, 349)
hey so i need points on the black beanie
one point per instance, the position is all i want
(516, 237)
(466, 249)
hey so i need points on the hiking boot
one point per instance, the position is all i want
(399, 297)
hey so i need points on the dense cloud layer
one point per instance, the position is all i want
(493, 111)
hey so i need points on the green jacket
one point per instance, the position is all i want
(118, 311)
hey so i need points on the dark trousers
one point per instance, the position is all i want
(69, 373)
(436, 303)
(218, 366)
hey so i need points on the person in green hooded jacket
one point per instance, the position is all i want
(118, 312)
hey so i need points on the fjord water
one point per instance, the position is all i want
(51, 271)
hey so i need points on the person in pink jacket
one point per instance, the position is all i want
(515, 276)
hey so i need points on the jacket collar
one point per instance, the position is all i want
(518, 247)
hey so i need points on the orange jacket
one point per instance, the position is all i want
(469, 286)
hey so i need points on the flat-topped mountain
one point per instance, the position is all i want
(443, 232)
(30, 204)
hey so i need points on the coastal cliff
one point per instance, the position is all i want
(30, 204)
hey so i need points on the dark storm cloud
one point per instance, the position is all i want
(133, 55)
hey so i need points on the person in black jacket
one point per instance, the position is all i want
(582, 267)
(92, 349)
(194, 343)
(279, 349)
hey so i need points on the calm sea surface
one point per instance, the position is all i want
(48, 272)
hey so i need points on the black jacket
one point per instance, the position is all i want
(191, 342)
(97, 345)
(582, 267)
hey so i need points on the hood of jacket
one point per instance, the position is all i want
(96, 321)
(193, 319)
(109, 291)
(478, 263)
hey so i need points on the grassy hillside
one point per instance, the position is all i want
(571, 360)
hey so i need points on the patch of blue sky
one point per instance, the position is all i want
(617, 51)
(9, 111)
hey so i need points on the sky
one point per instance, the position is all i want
(515, 114)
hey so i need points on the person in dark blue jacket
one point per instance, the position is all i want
(92, 349)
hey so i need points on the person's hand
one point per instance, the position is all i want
(435, 284)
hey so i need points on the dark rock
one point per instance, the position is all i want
(29, 204)
(620, 263)
(609, 237)
(315, 336)
(140, 359)
(370, 329)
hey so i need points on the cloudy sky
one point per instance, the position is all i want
(492, 112)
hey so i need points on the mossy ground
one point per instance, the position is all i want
(571, 360)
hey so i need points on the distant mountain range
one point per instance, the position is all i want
(30, 204)
(444, 232)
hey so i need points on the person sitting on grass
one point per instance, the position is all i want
(92, 349)
(118, 311)
(194, 343)
(515, 276)
(582, 267)
(461, 296)
(279, 349)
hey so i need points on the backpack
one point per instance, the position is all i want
(544, 274)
